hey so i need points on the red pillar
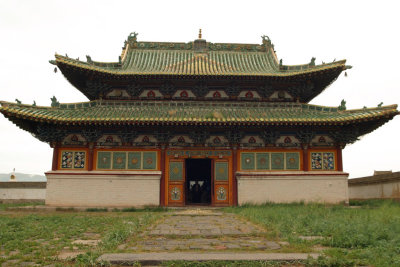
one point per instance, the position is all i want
(162, 180)
(235, 185)
(305, 157)
(90, 156)
(339, 158)
(54, 165)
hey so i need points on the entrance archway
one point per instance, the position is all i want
(198, 181)
(212, 169)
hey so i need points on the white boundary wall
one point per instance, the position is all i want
(17, 191)
(286, 187)
(383, 186)
(103, 189)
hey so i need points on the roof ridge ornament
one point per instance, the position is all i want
(200, 35)
(265, 39)
(312, 62)
(342, 105)
(54, 102)
(133, 36)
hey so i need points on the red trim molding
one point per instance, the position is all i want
(317, 173)
(234, 180)
(54, 165)
(144, 173)
(162, 181)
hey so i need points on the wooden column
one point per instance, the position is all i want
(54, 165)
(162, 180)
(339, 158)
(305, 157)
(90, 156)
(234, 169)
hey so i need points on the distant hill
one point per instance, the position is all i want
(22, 177)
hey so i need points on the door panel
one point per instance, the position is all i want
(176, 182)
(221, 182)
(175, 193)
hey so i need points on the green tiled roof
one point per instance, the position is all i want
(193, 113)
(219, 59)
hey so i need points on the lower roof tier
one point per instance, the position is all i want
(193, 113)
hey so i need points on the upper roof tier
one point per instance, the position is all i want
(197, 60)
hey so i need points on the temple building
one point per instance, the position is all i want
(196, 123)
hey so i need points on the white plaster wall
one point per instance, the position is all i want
(292, 187)
(22, 193)
(375, 190)
(103, 189)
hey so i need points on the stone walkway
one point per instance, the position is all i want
(202, 230)
(199, 234)
(204, 225)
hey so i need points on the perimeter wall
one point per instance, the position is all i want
(381, 186)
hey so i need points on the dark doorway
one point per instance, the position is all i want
(198, 181)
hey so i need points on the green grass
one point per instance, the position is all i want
(234, 263)
(368, 235)
(38, 237)
(4, 206)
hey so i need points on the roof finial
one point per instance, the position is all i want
(199, 33)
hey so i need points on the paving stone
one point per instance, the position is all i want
(195, 247)
(232, 246)
(272, 245)
(311, 237)
(159, 258)
(122, 246)
(63, 255)
(10, 263)
(207, 247)
(283, 243)
(27, 263)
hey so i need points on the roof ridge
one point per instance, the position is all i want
(5, 104)
(393, 106)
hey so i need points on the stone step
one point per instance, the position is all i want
(127, 259)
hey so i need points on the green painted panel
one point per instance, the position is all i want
(150, 160)
(262, 161)
(221, 172)
(119, 160)
(247, 161)
(176, 171)
(293, 161)
(277, 161)
(104, 160)
(134, 160)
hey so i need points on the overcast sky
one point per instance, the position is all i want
(366, 33)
